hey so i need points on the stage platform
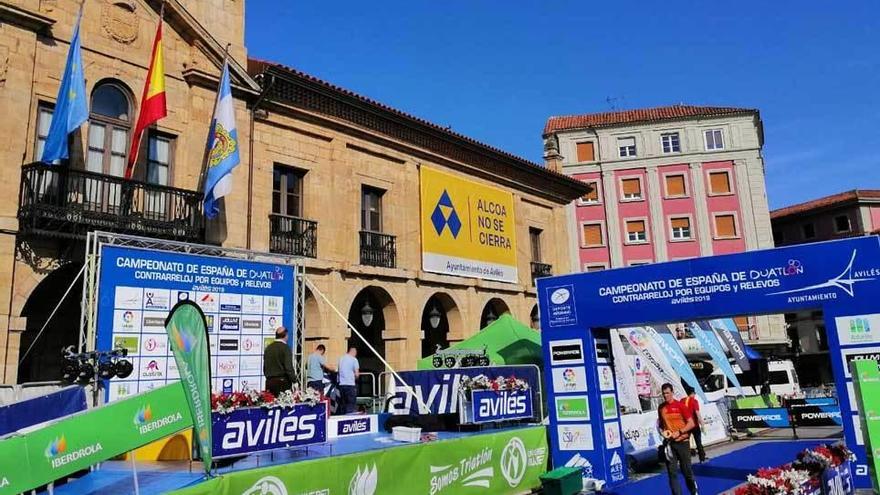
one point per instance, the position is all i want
(165, 477)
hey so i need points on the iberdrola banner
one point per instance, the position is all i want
(188, 335)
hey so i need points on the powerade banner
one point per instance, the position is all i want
(768, 417)
(727, 330)
(439, 389)
(189, 344)
(667, 343)
(76, 442)
(808, 415)
(468, 229)
(257, 429)
(703, 333)
(243, 301)
(841, 278)
(502, 405)
(504, 463)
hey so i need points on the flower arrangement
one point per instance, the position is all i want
(483, 382)
(226, 403)
(799, 477)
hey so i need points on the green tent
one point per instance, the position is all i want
(506, 340)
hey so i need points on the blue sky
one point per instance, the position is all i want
(495, 70)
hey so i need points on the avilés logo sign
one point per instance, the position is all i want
(250, 430)
(501, 405)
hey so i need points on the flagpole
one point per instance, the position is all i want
(264, 91)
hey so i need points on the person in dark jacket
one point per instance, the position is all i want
(278, 364)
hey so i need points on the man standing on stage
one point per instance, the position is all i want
(676, 422)
(349, 370)
(278, 364)
(693, 406)
(317, 366)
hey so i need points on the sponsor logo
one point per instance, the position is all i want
(230, 307)
(250, 364)
(251, 324)
(470, 471)
(273, 322)
(56, 452)
(207, 299)
(227, 366)
(275, 427)
(151, 344)
(273, 304)
(575, 437)
(143, 420)
(609, 406)
(566, 352)
(821, 415)
(248, 343)
(760, 417)
(612, 435)
(152, 370)
(154, 344)
(155, 300)
(230, 323)
(352, 426)
(128, 317)
(572, 379)
(579, 461)
(209, 322)
(846, 281)
(267, 485)
(227, 385)
(364, 482)
(228, 344)
(182, 295)
(606, 378)
(859, 329)
(499, 405)
(615, 467)
(444, 215)
(572, 408)
(560, 296)
(514, 462)
(130, 344)
(152, 321)
(537, 457)
(183, 340)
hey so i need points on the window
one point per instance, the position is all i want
(159, 150)
(639, 263)
(809, 230)
(585, 152)
(670, 142)
(725, 226)
(591, 197)
(719, 182)
(675, 186)
(109, 127)
(593, 235)
(287, 191)
(44, 121)
(841, 224)
(714, 140)
(626, 146)
(594, 268)
(535, 241)
(371, 209)
(635, 231)
(681, 228)
(632, 188)
(778, 235)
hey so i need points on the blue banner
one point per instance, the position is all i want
(675, 357)
(245, 431)
(703, 333)
(727, 331)
(439, 389)
(243, 302)
(838, 480)
(501, 405)
(64, 402)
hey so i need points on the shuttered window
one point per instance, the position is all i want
(681, 228)
(725, 226)
(632, 188)
(675, 185)
(626, 146)
(635, 231)
(719, 182)
(585, 152)
(593, 234)
(592, 196)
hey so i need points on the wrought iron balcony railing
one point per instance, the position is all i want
(378, 249)
(62, 202)
(293, 236)
(540, 270)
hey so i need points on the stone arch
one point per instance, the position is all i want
(534, 318)
(313, 320)
(43, 363)
(442, 306)
(493, 308)
(384, 316)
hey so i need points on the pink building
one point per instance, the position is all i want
(668, 183)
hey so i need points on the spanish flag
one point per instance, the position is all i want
(152, 102)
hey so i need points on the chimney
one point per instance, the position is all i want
(552, 158)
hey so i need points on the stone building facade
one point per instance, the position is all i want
(320, 167)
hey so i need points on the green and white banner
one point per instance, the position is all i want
(58, 449)
(507, 462)
(188, 334)
(866, 379)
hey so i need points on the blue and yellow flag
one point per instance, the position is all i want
(222, 147)
(71, 109)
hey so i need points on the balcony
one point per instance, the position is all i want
(378, 249)
(540, 270)
(293, 236)
(57, 201)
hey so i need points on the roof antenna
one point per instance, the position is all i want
(612, 102)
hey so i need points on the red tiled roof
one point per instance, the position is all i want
(639, 115)
(853, 196)
(256, 66)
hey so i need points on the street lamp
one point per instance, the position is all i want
(367, 314)
(491, 317)
(434, 317)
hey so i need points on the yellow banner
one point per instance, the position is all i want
(468, 229)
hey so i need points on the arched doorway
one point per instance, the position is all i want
(372, 312)
(494, 308)
(535, 318)
(440, 317)
(43, 362)
(312, 321)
